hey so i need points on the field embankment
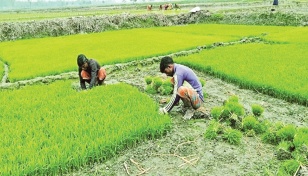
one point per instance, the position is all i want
(40, 25)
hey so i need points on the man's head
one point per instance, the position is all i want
(166, 65)
(82, 61)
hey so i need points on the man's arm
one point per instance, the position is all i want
(178, 81)
(93, 74)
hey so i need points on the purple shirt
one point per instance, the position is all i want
(181, 74)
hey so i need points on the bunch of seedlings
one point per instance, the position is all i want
(230, 123)
(158, 85)
(226, 121)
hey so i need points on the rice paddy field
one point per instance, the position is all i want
(54, 128)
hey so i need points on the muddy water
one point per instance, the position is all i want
(184, 151)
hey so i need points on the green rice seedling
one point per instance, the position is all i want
(157, 82)
(301, 137)
(235, 121)
(150, 89)
(166, 88)
(251, 123)
(265, 125)
(216, 112)
(204, 95)
(288, 167)
(148, 80)
(286, 133)
(230, 112)
(250, 133)
(301, 155)
(117, 48)
(232, 136)
(234, 99)
(270, 135)
(48, 132)
(237, 68)
(257, 110)
(284, 150)
(213, 130)
(202, 81)
(300, 142)
(233, 106)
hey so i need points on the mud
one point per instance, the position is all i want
(184, 150)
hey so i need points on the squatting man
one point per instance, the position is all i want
(192, 97)
(90, 71)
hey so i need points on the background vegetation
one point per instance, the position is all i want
(108, 48)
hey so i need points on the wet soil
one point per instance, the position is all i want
(185, 151)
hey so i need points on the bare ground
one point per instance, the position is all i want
(184, 150)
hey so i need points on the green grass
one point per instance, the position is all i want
(1, 70)
(277, 69)
(49, 132)
(47, 56)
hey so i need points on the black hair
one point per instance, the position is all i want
(164, 63)
(81, 59)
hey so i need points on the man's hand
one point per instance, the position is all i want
(162, 111)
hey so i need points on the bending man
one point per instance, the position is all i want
(191, 97)
(90, 71)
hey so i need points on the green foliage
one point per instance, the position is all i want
(284, 150)
(233, 106)
(158, 85)
(148, 80)
(68, 130)
(288, 167)
(157, 82)
(251, 123)
(232, 136)
(230, 107)
(216, 112)
(216, 17)
(202, 81)
(213, 130)
(300, 142)
(265, 79)
(117, 48)
(286, 133)
(270, 135)
(150, 89)
(257, 110)
(166, 88)
(301, 137)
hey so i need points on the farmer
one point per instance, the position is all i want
(90, 71)
(192, 97)
(177, 6)
(149, 7)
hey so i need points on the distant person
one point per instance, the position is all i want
(149, 7)
(177, 6)
(275, 2)
(192, 97)
(90, 71)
